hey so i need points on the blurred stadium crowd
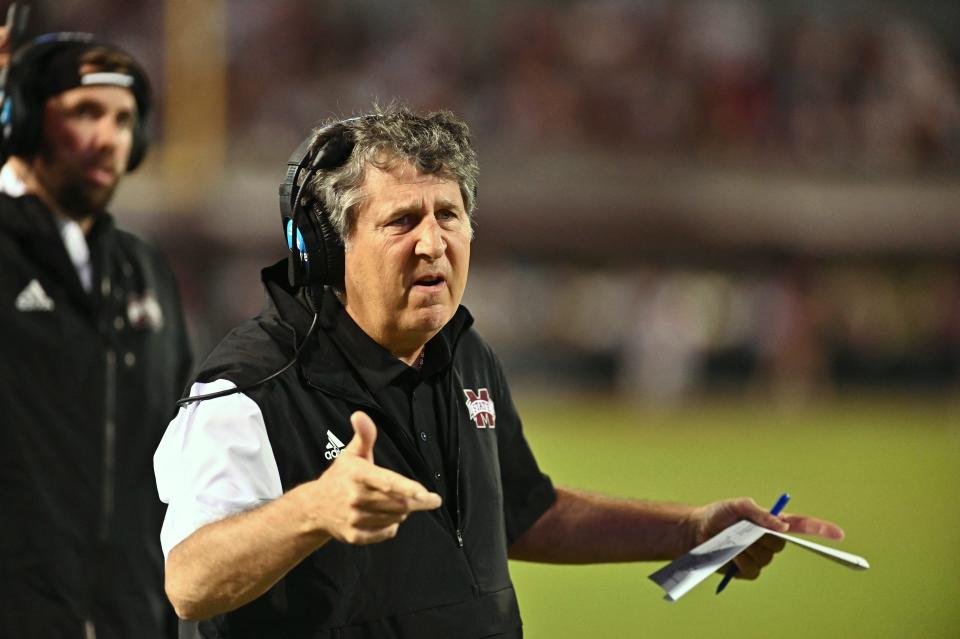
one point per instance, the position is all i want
(723, 79)
(836, 89)
(823, 84)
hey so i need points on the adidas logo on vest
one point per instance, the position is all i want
(33, 298)
(334, 446)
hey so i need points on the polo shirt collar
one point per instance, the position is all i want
(375, 365)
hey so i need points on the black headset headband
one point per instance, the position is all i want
(50, 65)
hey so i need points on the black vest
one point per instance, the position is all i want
(445, 574)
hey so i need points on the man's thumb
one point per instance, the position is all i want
(364, 435)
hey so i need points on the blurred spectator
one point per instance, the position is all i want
(791, 352)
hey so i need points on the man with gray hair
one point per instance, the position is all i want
(277, 527)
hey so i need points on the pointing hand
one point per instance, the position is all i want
(358, 502)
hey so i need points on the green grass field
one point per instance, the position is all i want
(886, 470)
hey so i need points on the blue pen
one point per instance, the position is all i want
(732, 570)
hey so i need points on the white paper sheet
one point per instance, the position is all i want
(681, 575)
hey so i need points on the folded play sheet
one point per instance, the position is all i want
(680, 576)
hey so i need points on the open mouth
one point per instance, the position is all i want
(430, 280)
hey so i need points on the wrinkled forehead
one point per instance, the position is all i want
(402, 168)
(397, 180)
(399, 167)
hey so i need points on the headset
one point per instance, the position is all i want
(21, 112)
(316, 251)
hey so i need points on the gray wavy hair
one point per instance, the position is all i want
(436, 143)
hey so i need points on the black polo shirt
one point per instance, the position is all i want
(413, 397)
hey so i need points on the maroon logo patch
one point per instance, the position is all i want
(481, 408)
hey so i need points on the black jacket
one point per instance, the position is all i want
(87, 383)
(445, 573)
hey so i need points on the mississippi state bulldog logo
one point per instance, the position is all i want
(481, 408)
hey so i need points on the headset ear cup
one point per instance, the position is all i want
(324, 253)
(22, 122)
(315, 252)
(321, 263)
(138, 149)
(141, 124)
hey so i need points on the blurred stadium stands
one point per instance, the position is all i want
(676, 197)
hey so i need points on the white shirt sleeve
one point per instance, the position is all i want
(214, 460)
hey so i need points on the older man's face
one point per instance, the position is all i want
(407, 257)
